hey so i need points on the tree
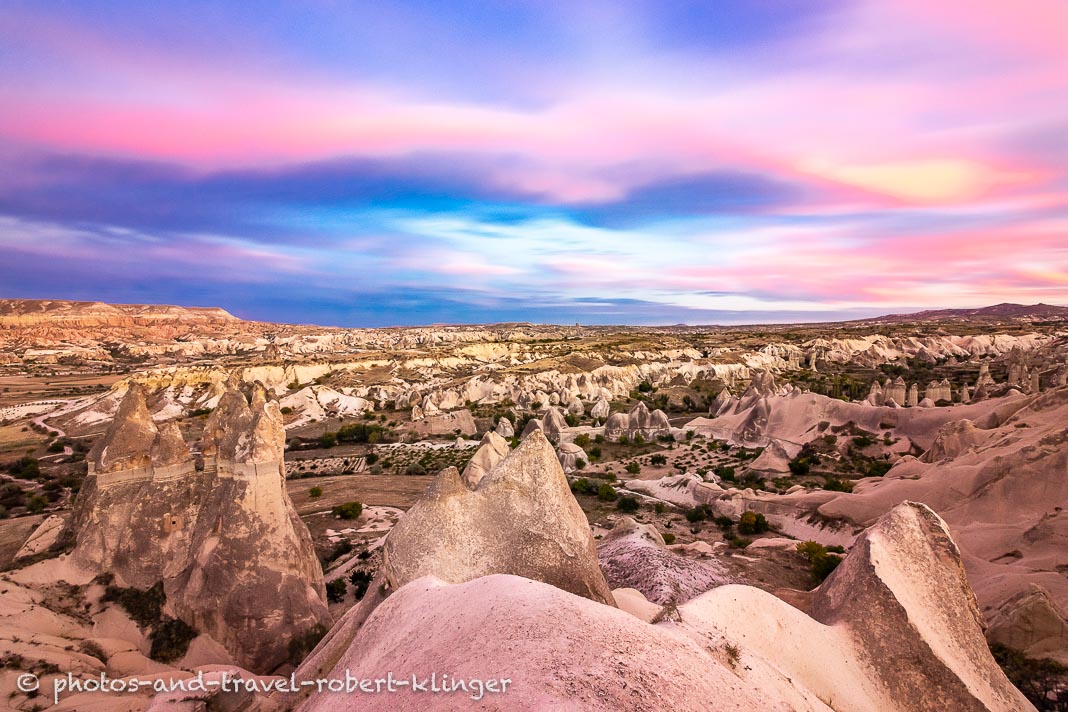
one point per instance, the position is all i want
(328, 440)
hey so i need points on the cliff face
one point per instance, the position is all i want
(235, 560)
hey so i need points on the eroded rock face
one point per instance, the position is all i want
(520, 518)
(904, 598)
(492, 450)
(639, 420)
(236, 561)
(881, 639)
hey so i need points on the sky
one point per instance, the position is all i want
(362, 163)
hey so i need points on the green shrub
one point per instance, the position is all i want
(645, 387)
(739, 542)
(286, 410)
(669, 538)
(697, 514)
(724, 472)
(336, 590)
(583, 486)
(607, 493)
(328, 440)
(582, 440)
(171, 639)
(315, 492)
(348, 510)
(594, 453)
(628, 504)
(144, 606)
(752, 523)
(580, 464)
(862, 441)
(821, 562)
(658, 460)
(36, 504)
(360, 580)
(800, 466)
(633, 468)
(27, 468)
(836, 485)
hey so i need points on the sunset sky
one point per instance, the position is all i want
(626, 161)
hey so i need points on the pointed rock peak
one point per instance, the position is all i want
(170, 447)
(259, 397)
(492, 450)
(130, 437)
(520, 519)
(639, 410)
(230, 420)
(903, 595)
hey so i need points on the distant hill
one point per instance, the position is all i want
(28, 312)
(997, 312)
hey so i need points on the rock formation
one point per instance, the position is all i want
(570, 455)
(883, 639)
(504, 428)
(600, 409)
(235, 560)
(492, 450)
(939, 391)
(520, 518)
(639, 420)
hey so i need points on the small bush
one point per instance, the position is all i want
(628, 504)
(370, 458)
(583, 486)
(315, 492)
(360, 580)
(739, 542)
(836, 485)
(328, 440)
(820, 560)
(752, 523)
(697, 514)
(336, 590)
(633, 468)
(415, 469)
(26, 467)
(658, 460)
(669, 538)
(582, 440)
(171, 639)
(144, 606)
(348, 510)
(607, 493)
(286, 410)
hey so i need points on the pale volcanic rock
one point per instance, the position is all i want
(904, 597)
(633, 555)
(1031, 622)
(130, 438)
(570, 455)
(721, 403)
(639, 420)
(600, 409)
(953, 439)
(235, 560)
(492, 450)
(575, 407)
(553, 424)
(732, 648)
(505, 429)
(520, 519)
(939, 391)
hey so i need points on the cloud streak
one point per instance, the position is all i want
(672, 158)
